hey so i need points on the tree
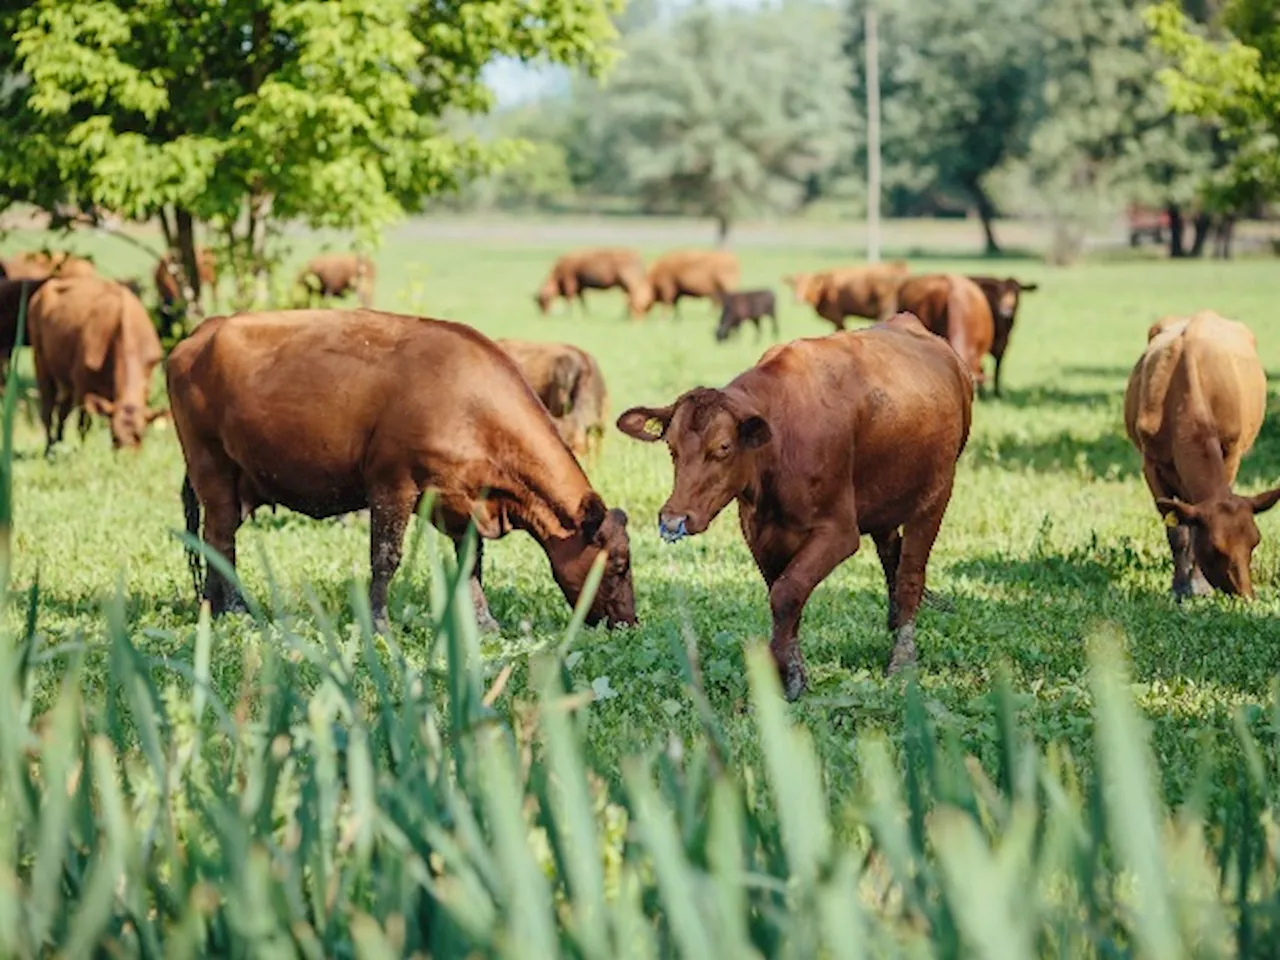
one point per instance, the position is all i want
(726, 114)
(247, 114)
(957, 86)
(1233, 82)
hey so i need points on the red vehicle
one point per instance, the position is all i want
(1146, 223)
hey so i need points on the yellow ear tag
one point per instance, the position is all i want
(1170, 519)
(653, 427)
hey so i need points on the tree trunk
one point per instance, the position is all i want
(190, 264)
(165, 228)
(722, 229)
(1176, 249)
(1201, 226)
(1222, 240)
(987, 213)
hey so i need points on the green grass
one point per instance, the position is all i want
(1050, 532)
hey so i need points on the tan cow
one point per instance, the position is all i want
(1193, 408)
(575, 273)
(327, 412)
(867, 291)
(336, 274)
(95, 348)
(956, 309)
(42, 264)
(693, 273)
(570, 385)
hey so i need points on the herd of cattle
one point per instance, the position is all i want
(823, 441)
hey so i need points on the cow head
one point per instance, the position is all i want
(729, 321)
(802, 286)
(599, 530)
(561, 384)
(713, 443)
(129, 420)
(1224, 535)
(546, 293)
(1006, 300)
(640, 298)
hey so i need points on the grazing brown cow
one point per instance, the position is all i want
(1003, 296)
(1194, 406)
(95, 348)
(956, 309)
(824, 440)
(866, 291)
(693, 273)
(169, 288)
(336, 274)
(12, 294)
(41, 264)
(575, 273)
(570, 385)
(744, 306)
(421, 405)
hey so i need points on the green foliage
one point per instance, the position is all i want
(722, 114)
(1234, 82)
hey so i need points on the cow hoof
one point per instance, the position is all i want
(795, 678)
(382, 626)
(904, 651)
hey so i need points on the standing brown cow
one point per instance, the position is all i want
(95, 348)
(956, 309)
(335, 274)
(570, 385)
(824, 440)
(867, 291)
(420, 405)
(1003, 296)
(693, 273)
(41, 264)
(1193, 407)
(575, 273)
(168, 270)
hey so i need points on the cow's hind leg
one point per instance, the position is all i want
(824, 550)
(48, 401)
(484, 619)
(917, 542)
(215, 487)
(889, 548)
(389, 512)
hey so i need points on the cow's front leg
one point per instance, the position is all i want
(389, 512)
(825, 549)
(484, 618)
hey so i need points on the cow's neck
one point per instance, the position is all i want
(1202, 471)
(546, 496)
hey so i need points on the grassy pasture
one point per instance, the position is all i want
(1050, 531)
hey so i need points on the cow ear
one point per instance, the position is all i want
(163, 412)
(1028, 287)
(1265, 501)
(591, 515)
(1176, 511)
(754, 432)
(96, 404)
(646, 423)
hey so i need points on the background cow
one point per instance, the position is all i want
(425, 404)
(95, 348)
(824, 440)
(169, 287)
(867, 291)
(599, 269)
(570, 385)
(42, 264)
(335, 275)
(693, 273)
(954, 308)
(744, 305)
(1193, 407)
(1003, 297)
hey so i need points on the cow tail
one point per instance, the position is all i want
(958, 333)
(191, 508)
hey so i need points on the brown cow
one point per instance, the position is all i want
(956, 309)
(169, 287)
(1193, 407)
(42, 264)
(12, 294)
(824, 440)
(95, 348)
(336, 274)
(575, 273)
(867, 291)
(570, 385)
(1003, 296)
(421, 404)
(693, 273)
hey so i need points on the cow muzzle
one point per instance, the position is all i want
(672, 528)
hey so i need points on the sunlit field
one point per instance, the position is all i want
(1050, 532)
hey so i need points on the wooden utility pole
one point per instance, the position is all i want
(873, 135)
